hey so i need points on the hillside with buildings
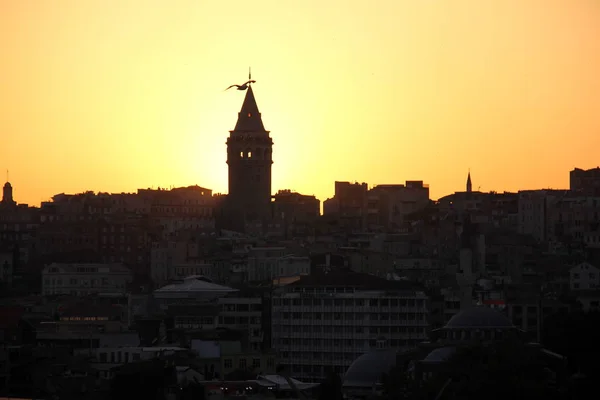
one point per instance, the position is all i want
(259, 293)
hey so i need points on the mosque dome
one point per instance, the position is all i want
(440, 354)
(368, 369)
(479, 318)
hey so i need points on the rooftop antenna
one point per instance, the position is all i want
(7, 180)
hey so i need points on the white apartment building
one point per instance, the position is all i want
(576, 217)
(291, 265)
(84, 279)
(584, 276)
(535, 212)
(266, 263)
(331, 319)
(162, 257)
(166, 255)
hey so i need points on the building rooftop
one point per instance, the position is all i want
(440, 354)
(86, 268)
(195, 283)
(479, 317)
(357, 280)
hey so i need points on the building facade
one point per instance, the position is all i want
(584, 277)
(84, 279)
(328, 320)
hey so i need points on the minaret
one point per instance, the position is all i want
(249, 160)
(7, 193)
(469, 184)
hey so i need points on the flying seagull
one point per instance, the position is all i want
(242, 87)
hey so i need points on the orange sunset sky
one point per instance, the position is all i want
(119, 95)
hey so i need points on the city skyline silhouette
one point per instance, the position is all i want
(116, 104)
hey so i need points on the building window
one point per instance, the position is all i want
(256, 363)
(228, 364)
(242, 363)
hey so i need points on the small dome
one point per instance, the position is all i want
(368, 369)
(479, 317)
(7, 185)
(440, 354)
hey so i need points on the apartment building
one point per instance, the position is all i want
(235, 312)
(266, 263)
(244, 312)
(328, 320)
(84, 279)
(584, 277)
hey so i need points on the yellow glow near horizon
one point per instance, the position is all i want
(105, 96)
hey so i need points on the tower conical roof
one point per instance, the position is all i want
(249, 119)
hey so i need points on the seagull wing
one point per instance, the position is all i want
(232, 86)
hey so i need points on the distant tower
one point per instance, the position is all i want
(249, 158)
(7, 193)
(469, 183)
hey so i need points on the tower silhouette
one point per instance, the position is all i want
(469, 183)
(7, 193)
(249, 160)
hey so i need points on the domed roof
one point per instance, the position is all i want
(367, 369)
(440, 354)
(479, 317)
(7, 185)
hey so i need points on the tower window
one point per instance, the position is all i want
(249, 154)
(241, 154)
(249, 115)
